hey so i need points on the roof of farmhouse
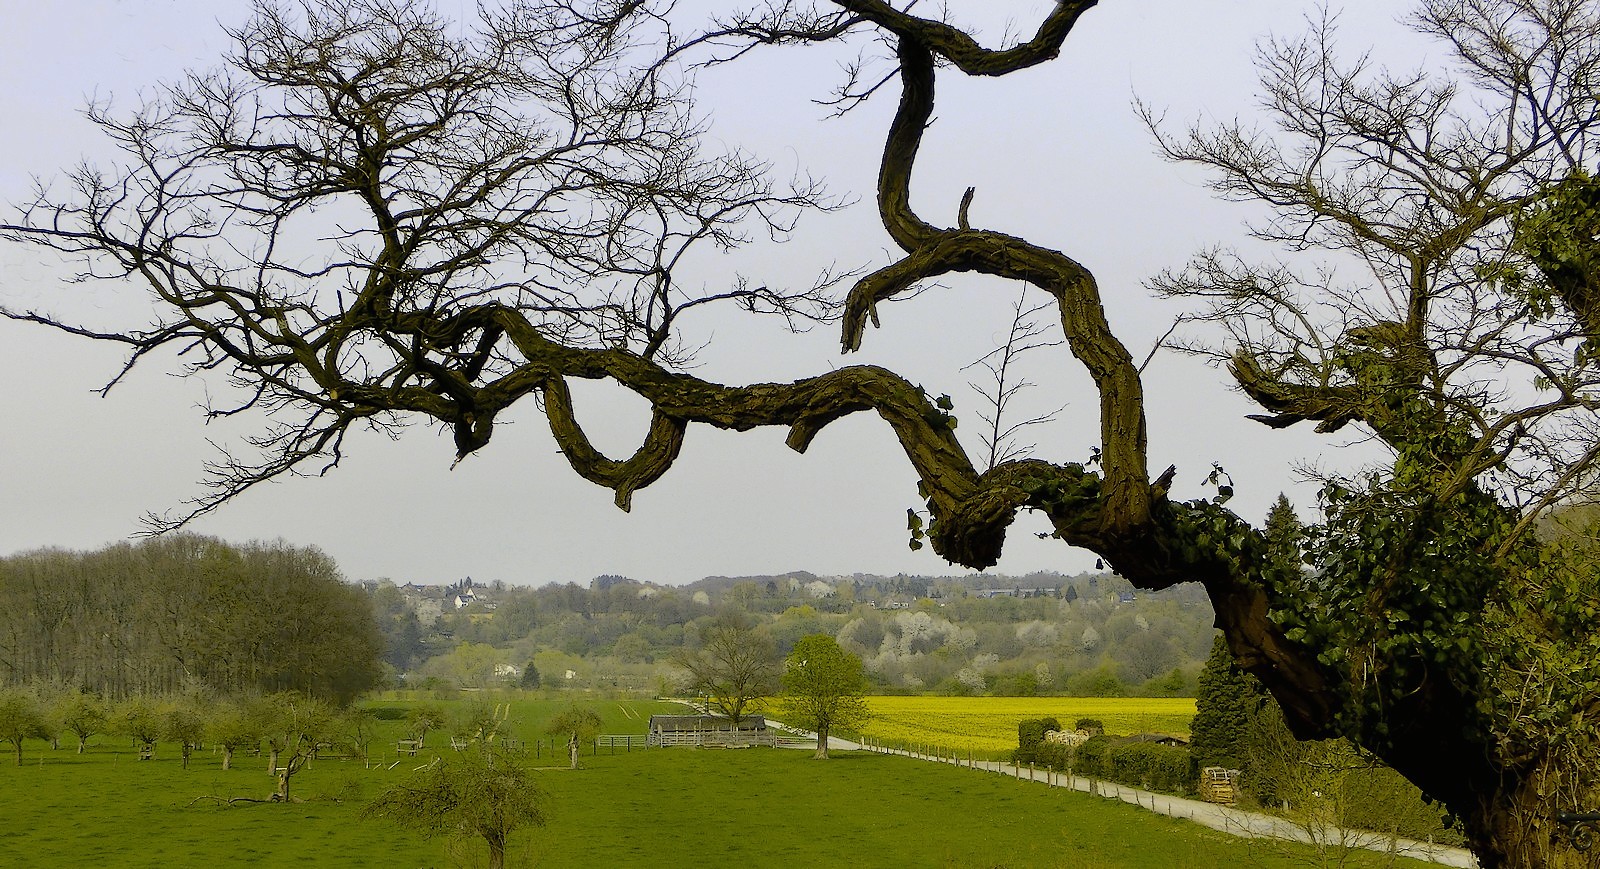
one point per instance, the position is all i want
(705, 722)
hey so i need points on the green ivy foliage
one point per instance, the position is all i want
(1558, 237)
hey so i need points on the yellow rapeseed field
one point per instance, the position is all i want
(989, 724)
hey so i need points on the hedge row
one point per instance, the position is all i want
(1030, 735)
(1144, 765)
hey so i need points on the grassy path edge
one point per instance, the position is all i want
(1236, 822)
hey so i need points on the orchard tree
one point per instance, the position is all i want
(823, 687)
(357, 727)
(294, 726)
(480, 722)
(183, 723)
(477, 793)
(230, 725)
(579, 724)
(513, 206)
(139, 717)
(81, 714)
(423, 718)
(21, 717)
(735, 667)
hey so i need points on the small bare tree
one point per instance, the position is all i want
(735, 667)
(1000, 432)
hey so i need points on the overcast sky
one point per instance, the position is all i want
(1055, 153)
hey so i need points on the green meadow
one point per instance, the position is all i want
(656, 808)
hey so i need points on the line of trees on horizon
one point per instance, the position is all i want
(1088, 634)
(184, 614)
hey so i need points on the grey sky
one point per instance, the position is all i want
(1056, 154)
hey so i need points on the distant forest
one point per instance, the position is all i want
(186, 614)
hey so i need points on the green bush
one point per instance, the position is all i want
(1093, 758)
(1030, 736)
(1378, 798)
(1151, 766)
(1053, 755)
(1145, 765)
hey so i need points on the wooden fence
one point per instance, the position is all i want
(713, 738)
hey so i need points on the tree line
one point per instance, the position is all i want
(186, 613)
(1089, 634)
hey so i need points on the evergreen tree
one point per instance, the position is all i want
(1229, 700)
(1285, 535)
(1225, 705)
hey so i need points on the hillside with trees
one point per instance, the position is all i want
(1043, 633)
(183, 613)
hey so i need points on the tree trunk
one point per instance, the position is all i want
(227, 757)
(497, 849)
(572, 750)
(1517, 828)
(19, 752)
(272, 762)
(822, 742)
(282, 795)
(83, 739)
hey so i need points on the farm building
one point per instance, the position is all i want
(1157, 738)
(703, 730)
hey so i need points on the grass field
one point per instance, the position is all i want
(656, 808)
(988, 725)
